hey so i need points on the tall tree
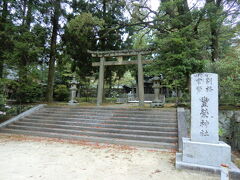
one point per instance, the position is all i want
(25, 32)
(53, 49)
(80, 35)
(4, 34)
(185, 35)
(179, 47)
(106, 38)
(27, 44)
(3, 20)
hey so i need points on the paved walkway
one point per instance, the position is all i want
(25, 158)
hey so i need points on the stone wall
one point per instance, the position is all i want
(229, 126)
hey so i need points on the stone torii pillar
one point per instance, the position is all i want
(100, 82)
(140, 81)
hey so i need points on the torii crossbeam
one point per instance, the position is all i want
(119, 55)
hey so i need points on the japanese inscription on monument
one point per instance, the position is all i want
(204, 107)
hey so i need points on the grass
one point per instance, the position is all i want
(238, 163)
(229, 107)
(113, 104)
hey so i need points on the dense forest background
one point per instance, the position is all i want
(45, 42)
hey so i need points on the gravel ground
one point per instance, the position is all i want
(33, 158)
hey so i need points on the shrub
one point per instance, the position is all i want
(61, 93)
(29, 92)
(10, 88)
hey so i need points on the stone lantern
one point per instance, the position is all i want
(159, 100)
(73, 91)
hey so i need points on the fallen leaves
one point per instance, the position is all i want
(95, 145)
(156, 171)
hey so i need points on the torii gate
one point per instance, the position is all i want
(119, 55)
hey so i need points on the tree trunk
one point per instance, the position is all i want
(214, 44)
(3, 21)
(103, 40)
(29, 15)
(26, 25)
(51, 70)
(24, 12)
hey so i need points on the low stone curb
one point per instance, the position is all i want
(23, 114)
(182, 127)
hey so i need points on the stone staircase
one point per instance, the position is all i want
(153, 128)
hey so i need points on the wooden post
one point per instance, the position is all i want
(140, 81)
(100, 82)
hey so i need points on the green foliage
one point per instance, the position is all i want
(186, 38)
(142, 39)
(94, 100)
(13, 110)
(179, 57)
(84, 27)
(63, 75)
(221, 132)
(127, 80)
(228, 70)
(81, 33)
(61, 93)
(9, 88)
(29, 92)
(183, 36)
(27, 44)
(2, 101)
(98, 27)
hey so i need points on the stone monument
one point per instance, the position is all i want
(73, 92)
(159, 100)
(203, 150)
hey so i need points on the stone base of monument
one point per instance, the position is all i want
(73, 102)
(207, 157)
(209, 154)
(157, 104)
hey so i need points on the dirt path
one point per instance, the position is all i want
(31, 158)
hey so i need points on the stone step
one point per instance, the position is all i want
(155, 128)
(110, 114)
(110, 108)
(166, 119)
(96, 134)
(137, 143)
(116, 110)
(110, 130)
(107, 121)
(120, 111)
(106, 125)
